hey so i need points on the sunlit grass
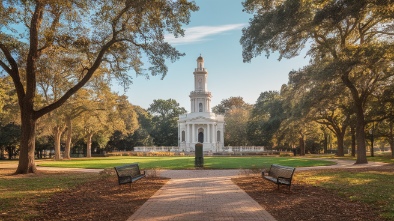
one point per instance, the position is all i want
(379, 156)
(20, 193)
(371, 187)
(185, 162)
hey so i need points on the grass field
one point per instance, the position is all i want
(21, 193)
(186, 162)
(370, 186)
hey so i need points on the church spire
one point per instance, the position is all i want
(200, 63)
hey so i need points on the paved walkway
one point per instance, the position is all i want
(207, 195)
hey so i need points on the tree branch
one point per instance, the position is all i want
(13, 72)
(79, 85)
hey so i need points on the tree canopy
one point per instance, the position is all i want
(351, 38)
(112, 35)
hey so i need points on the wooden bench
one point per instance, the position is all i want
(281, 175)
(129, 173)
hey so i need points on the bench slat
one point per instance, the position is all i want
(128, 173)
(281, 175)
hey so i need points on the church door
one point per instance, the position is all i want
(201, 137)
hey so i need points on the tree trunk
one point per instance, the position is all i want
(340, 152)
(391, 140)
(325, 144)
(26, 150)
(372, 144)
(57, 132)
(360, 136)
(10, 152)
(353, 132)
(69, 138)
(360, 122)
(302, 146)
(89, 145)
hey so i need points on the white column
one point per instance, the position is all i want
(193, 140)
(214, 133)
(187, 133)
(179, 135)
(208, 133)
(221, 136)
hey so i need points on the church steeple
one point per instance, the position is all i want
(200, 98)
(200, 76)
(200, 63)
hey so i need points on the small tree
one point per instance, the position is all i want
(165, 121)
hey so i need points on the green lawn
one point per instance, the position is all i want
(21, 193)
(185, 162)
(371, 187)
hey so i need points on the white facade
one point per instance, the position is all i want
(201, 125)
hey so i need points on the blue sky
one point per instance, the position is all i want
(214, 32)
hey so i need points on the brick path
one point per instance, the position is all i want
(200, 195)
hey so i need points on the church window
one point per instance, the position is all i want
(183, 136)
(201, 137)
(200, 107)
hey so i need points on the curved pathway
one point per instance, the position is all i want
(342, 164)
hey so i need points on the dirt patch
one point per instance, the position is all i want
(102, 199)
(304, 202)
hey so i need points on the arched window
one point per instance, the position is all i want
(218, 136)
(183, 136)
(200, 107)
(201, 137)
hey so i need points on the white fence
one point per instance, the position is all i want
(156, 149)
(229, 149)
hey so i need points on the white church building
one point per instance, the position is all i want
(201, 125)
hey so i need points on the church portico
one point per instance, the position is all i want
(201, 125)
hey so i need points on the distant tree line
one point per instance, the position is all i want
(92, 121)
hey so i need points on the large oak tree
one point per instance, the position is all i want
(117, 34)
(354, 35)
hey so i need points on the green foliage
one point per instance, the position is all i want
(236, 127)
(165, 121)
(236, 113)
(350, 44)
(231, 103)
(86, 37)
(9, 139)
(266, 117)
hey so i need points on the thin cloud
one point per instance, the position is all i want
(201, 33)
